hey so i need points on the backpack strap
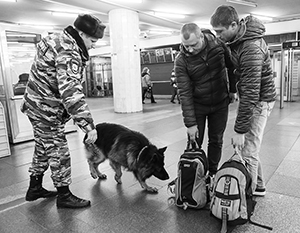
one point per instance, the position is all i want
(192, 144)
(171, 186)
(224, 220)
(237, 157)
(171, 191)
(260, 225)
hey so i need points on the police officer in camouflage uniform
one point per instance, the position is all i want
(54, 94)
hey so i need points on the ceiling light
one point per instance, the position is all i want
(67, 14)
(169, 15)
(160, 32)
(243, 2)
(45, 27)
(21, 35)
(202, 24)
(123, 1)
(262, 17)
(64, 14)
(8, 0)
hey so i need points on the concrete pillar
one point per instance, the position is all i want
(125, 60)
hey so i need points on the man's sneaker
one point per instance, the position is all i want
(260, 192)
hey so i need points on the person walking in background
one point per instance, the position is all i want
(256, 87)
(173, 83)
(54, 94)
(205, 88)
(147, 85)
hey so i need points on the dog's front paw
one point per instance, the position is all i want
(102, 176)
(94, 175)
(118, 179)
(151, 189)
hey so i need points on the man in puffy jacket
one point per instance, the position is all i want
(205, 88)
(54, 94)
(256, 87)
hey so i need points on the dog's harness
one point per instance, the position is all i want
(141, 151)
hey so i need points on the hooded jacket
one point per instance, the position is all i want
(202, 78)
(54, 91)
(252, 61)
(146, 80)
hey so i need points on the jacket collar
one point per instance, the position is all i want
(83, 51)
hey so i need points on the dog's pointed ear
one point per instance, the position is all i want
(162, 150)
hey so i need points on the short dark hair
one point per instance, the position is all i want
(189, 28)
(223, 16)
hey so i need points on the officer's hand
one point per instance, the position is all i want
(91, 136)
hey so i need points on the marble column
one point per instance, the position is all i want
(125, 60)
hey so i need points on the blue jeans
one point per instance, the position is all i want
(253, 139)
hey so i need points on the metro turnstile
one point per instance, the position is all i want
(290, 57)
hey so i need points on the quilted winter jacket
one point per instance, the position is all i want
(202, 78)
(252, 61)
(146, 80)
(54, 91)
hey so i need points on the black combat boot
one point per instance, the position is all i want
(36, 189)
(66, 199)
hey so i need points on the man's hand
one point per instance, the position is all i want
(193, 133)
(91, 136)
(233, 97)
(238, 141)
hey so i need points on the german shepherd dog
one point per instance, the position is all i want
(129, 149)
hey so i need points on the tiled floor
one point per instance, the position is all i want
(126, 208)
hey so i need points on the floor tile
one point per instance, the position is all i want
(126, 208)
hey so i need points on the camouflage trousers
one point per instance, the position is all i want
(51, 149)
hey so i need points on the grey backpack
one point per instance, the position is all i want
(190, 185)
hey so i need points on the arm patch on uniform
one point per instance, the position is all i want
(74, 66)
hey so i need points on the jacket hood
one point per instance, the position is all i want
(249, 28)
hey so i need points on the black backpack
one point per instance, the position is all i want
(190, 185)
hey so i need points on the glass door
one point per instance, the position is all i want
(18, 48)
(290, 72)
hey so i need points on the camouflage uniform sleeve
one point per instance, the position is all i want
(69, 76)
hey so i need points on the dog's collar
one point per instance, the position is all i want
(141, 151)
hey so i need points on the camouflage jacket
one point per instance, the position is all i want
(54, 91)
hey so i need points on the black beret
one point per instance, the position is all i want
(90, 25)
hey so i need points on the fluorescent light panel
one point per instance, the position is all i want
(21, 35)
(243, 2)
(124, 1)
(203, 24)
(45, 27)
(8, 0)
(262, 17)
(64, 14)
(169, 15)
(160, 32)
(67, 14)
